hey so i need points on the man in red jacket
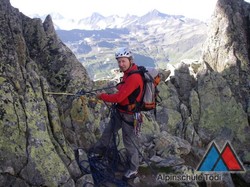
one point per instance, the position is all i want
(129, 92)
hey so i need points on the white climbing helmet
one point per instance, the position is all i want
(123, 52)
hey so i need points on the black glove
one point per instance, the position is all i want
(80, 92)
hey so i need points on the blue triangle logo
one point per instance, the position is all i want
(225, 161)
(210, 159)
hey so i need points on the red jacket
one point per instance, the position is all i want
(128, 86)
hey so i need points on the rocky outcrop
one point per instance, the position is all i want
(211, 103)
(215, 99)
(225, 80)
(227, 48)
(33, 60)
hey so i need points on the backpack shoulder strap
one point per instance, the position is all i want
(141, 70)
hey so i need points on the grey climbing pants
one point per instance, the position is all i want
(119, 121)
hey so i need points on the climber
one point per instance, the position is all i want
(129, 91)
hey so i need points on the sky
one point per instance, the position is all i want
(77, 9)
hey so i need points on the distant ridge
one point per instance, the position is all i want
(97, 21)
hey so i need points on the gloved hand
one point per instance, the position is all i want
(80, 92)
(98, 95)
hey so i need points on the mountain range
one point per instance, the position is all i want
(156, 39)
(97, 21)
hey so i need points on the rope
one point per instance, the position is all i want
(104, 167)
(79, 93)
(59, 93)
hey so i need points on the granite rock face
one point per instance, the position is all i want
(212, 96)
(209, 100)
(33, 61)
(224, 83)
